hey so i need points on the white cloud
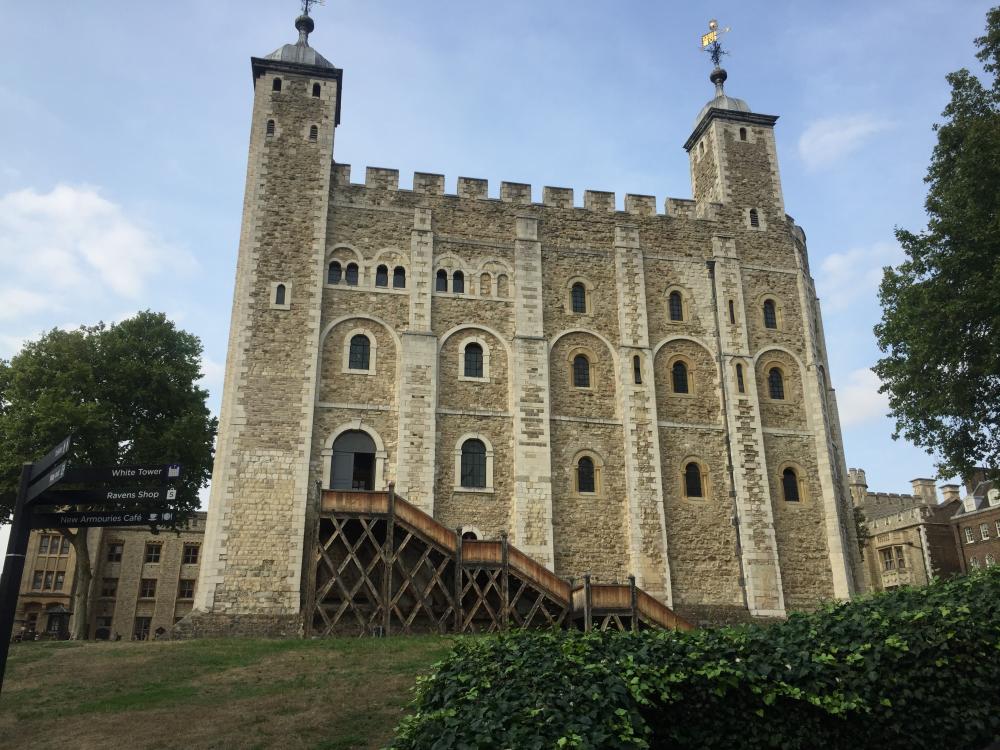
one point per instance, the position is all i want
(828, 140)
(71, 252)
(859, 400)
(855, 274)
(213, 373)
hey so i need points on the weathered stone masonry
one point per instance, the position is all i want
(499, 274)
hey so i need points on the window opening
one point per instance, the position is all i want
(578, 298)
(637, 370)
(770, 314)
(732, 312)
(473, 463)
(676, 306)
(313, 133)
(382, 276)
(581, 371)
(316, 90)
(442, 281)
(270, 129)
(692, 480)
(276, 84)
(399, 278)
(333, 273)
(353, 462)
(458, 282)
(585, 479)
(279, 294)
(351, 276)
(360, 353)
(473, 361)
(739, 379)
(469, 536)
(776, 384)
(679, 376)
(743, 134)
(754, 219)
(790, 485)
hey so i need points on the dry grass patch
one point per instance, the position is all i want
(335, 694)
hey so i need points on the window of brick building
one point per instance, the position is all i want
(109, 587)
(473, 361)
(790, 485)
(585, 475)
(458, 282)
(360, 352)
(970, 536)
(637, 370)
(313, 133)
(578, 298)
(43, 544)
(676, 304)
(399, 278)
(693, 485)
(984, 531)
(334, 272)
(893, 558)
(775, 384)
(147, 588)
(153, 550)
(36, 580)
(739, 379)
(581, 371)
(441, 285)
(276, 84)
(48, 580)
(351, 275)
(770, 314)
(316, 90)
(382, 276)
(473, 463)
(60, 580)
(191, 554)
(64, 546)
(679, 377)
(141, 630)
(269, 131)
(998, 528)
(185, 589)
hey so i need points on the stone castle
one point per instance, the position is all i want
(622, 392)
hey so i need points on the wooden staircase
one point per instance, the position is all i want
(384, 567)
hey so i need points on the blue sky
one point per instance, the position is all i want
(124, 129)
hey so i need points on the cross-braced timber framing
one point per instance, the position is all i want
(384, 567)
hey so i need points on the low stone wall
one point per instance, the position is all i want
(205, 625)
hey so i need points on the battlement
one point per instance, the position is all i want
(519, 193)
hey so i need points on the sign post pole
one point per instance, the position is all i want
(10, 581)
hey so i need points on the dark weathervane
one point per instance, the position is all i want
(710, 42)
(307, 4)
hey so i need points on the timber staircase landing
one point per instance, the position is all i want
(384, 567)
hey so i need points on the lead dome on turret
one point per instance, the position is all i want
(721, 100)
(300, 52)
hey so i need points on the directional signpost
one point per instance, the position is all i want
(37, 481)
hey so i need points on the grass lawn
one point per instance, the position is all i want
(333, 694)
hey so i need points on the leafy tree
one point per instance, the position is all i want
(127, 393)
(940, 328)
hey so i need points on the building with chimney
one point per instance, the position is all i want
(640, 392)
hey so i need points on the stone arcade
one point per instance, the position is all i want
(622, 392)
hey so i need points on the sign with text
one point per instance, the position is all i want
(99, 518)
(56, 474)
(45, 463)
(127, 495)
(152, 473)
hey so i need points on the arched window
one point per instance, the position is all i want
(279, 294)
(679, 377)
(692, 481)
(399, 278)
(442, 281)
(473, 463)
(790, 485)
(354, 462)
(473, 361)
(743, 134)
(333, 272)
(770, 314)
(676, 305)
(739, 379)
(585, 480)
(351, 276)
(754, 219)
(469, 536)
(458, 282)
(316, 90)
(637, 370)
(382, 276)
(269, 132)
(578, 297)
(360, 352)
(276, 84)
(581, 371)
(313, 133)
(775, 384)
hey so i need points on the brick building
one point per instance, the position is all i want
(909, 536)
(976, 526)
(142, 582)
(640, 391)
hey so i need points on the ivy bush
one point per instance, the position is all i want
(914, 668)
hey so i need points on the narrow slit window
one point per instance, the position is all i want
(399, 278)
(270, 129)
(279, 294)
(679, 377)
(360, 354)
(276, 84)
(382, 276)
(578, 298)
(743, 134)
(637, 370)
(313, 133)
(458, 282)
(739, 379)
(473, 361)
(692, 480)
(334, 272)
(442, 281)
(352, 274)
(776, 384)
(316, 90)
(732, 312)
(585, 476)
(770, 314)
(581, 371)
(754, 218)
(676, 305)
(790, 485)
(473, 463)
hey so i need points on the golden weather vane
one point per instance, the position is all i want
(710, 41)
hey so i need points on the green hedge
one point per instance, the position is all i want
(914, 668)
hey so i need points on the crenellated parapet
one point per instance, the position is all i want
(519, 193)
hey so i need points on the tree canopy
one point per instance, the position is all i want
(940, 327)
(127, 393)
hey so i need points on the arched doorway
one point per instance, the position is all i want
(353, 462)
